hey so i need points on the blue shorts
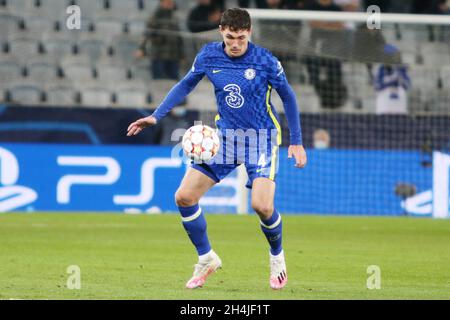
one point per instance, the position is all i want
(259, 162)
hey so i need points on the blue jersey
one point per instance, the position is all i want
(242, 87)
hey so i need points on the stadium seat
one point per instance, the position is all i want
(151, 5)
(136, 28)
(61, 96)
(108, 29)
(141, 70)
(160, 88)
(78, 59)
(357, 80)
(432, 52)
(442, 101)
(308, 101)
(78, 73)
(53, 9)
(118, 7)
(390, 34)
(39, 27)
(21, 8)
(411, 34)
(94, 49)
(112, 74)
(415, 101)
(24, 49)
(202, 97)
(9, 72)
(91, 8)
(26, 95)
(445, 77)
(369, 104)
(57, 49)
(359, 70)
(9, 26)
(132, 97)
(96, 97)
(43, 73)
(87, 28)
(125, 49)
(435, 101)
(409, 58)
(442, 34)
(424, 77)
(296, 72)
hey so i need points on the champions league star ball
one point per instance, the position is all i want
(201, 143)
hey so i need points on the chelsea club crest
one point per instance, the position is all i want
(250, 74)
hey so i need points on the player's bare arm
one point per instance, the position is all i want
(299, 154)
(139, 125)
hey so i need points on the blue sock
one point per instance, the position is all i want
(195, 225)
(272, 229)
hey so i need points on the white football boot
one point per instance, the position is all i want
(278, 273)
(203, 269)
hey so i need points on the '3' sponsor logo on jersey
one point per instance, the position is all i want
(234, 98)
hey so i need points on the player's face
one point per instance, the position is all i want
(236, 42)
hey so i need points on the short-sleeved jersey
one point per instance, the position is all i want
(242, 85)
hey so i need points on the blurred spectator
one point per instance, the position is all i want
(321, 139)
(296, 4)
(444, 7)
(260, 4)
(426, 6)
(274, 4)
(349, 5)
(220, 4)
(176, 119)
(325, 73)
(391, 81)
(204, 16)
(161, 43)
(384, 5)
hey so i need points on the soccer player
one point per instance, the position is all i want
(243, 75)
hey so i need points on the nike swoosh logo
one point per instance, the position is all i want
(216, 71)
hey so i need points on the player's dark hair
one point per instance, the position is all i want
(236, 19)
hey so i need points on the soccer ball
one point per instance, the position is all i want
(200, 143)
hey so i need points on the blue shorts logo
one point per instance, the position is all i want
(234, 98)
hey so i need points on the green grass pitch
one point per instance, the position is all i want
(151, 257)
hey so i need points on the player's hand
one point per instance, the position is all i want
(139, 125)
(299, 153)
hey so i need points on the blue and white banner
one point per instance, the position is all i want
(137, 179)
(88, 178)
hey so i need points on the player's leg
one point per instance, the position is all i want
(196, 182)
(263, 193)
(262, 175)
(193, 186)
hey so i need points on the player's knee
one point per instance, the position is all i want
(263, 209)
(184, 199)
